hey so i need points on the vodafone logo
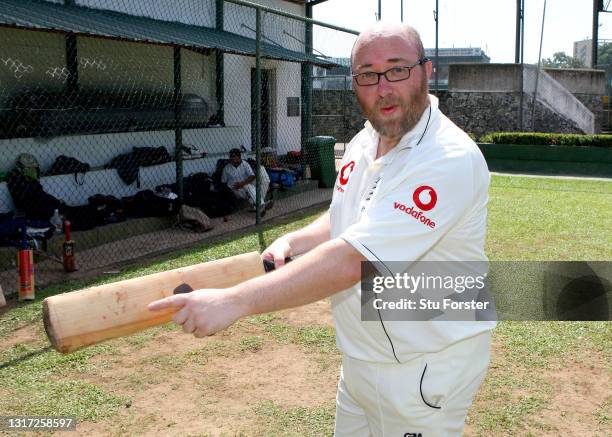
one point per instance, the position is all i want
(425, 197)
(346, 171)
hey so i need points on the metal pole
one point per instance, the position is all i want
(257, 114)
(306, 89)
(379, 10)
(219, 66)
(522, 31)
(436, 55)
(521, 42)
(402, 10)
(517, 47)
(595, 33)
(178, 131)
(535, 91)
(293, 16)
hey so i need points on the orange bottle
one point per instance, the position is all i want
(25, 267)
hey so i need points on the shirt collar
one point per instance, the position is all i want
(410, 138)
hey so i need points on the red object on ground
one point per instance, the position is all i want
(68, 254)
(25, 266)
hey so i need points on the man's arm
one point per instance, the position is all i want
(331, 267)
(300, 241)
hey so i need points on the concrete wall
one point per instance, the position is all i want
(587, 85)
(580, 81)
(477, 113)
(485, 77)
(336, 113)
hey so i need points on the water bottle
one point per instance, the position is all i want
(56, 221)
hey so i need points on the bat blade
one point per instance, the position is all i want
(81, 318)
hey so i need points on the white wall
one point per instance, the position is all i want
(98, 150)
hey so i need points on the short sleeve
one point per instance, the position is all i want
(409, 220)
(224, 175)
(247, 170)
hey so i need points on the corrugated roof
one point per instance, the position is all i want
(39, 14)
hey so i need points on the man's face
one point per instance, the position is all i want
(235, 160)
(393, 108)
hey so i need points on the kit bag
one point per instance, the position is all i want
(147, 156)
(66, 165)
(193, 219)
(29, 196)
(127, 167)
(146, 203)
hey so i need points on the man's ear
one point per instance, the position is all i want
(428, 69)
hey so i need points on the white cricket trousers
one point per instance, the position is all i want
(428, 396)
(248, 191)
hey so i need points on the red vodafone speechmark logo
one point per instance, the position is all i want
(346, 172)
(425, 197)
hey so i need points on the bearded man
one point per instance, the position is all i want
(412, 187)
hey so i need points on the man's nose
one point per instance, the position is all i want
(384, 86)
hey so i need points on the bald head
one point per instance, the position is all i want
(389, 31)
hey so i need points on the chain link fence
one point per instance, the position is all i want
(114, 116)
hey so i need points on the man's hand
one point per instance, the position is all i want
(238, 185)
(277, 252)
(202, 312)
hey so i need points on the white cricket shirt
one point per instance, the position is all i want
(424, 202)
(232, 174)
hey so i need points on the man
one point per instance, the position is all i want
(239, 177)
(397, 378)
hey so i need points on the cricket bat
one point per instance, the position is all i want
(81, 318)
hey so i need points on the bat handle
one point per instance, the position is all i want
(269, 265)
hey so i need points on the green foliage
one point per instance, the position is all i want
(561, 60)
(604, 54)
(538, 138)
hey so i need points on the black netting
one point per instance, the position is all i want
(114, 114)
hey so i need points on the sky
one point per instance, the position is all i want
(488, 24)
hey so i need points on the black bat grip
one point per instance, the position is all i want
(269, 265)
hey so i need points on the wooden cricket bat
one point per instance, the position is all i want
(85, 317)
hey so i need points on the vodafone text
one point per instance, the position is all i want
(416, 215)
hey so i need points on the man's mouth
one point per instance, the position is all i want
(388, 110)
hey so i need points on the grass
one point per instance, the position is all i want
(539, 219)
(296, 421)
(529, 219)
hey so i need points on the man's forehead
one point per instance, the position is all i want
(368, 56)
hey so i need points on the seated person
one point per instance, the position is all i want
(240, 178)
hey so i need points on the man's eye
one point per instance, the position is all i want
(368, 75)
(397, 70)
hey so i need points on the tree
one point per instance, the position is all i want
(604, 54)
(561, 60)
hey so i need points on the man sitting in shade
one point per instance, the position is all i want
(240, 178)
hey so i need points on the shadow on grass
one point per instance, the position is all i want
(25, 357)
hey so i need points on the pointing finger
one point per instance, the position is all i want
(176, 301)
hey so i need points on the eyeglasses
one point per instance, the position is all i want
(393, 74)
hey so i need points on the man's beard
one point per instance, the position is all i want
(397, 128)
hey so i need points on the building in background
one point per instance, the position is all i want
(583, 51)
(447, 56)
